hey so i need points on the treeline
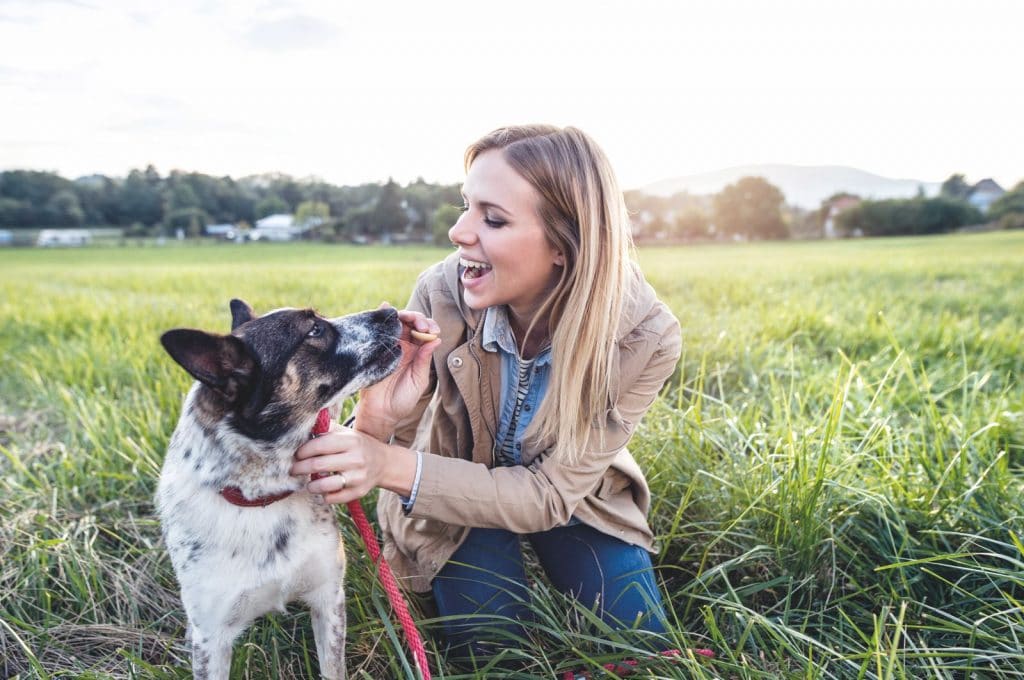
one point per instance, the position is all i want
(147, 204)
(753, 208)
(908, 217)
(943, 213)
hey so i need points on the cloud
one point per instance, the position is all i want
(295, 32)
(37, 3)
(16, 19)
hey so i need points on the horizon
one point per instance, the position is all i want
(356, 94)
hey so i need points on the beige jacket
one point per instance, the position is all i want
(457, 418)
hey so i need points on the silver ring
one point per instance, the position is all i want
(344, 482)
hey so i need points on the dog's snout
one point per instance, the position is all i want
(385, 319)
(386, 315)
(375, 326)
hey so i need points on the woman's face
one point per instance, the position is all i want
(506, 256)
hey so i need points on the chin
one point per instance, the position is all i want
(476, 302)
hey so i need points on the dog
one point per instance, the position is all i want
(245, 538)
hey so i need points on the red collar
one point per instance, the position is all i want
(234, 495)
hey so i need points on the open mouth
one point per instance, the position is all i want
(470, 270)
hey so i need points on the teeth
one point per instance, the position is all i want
(473, 264)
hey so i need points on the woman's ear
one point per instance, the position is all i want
(559, 259)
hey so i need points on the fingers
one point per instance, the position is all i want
(342, 487)
(320, 464)
(417, 321)
(338, 464)
(338, 439)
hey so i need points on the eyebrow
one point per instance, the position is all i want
(486, 204)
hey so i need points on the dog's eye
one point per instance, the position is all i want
(316, 331)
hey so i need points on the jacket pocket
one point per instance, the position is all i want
(612, 484)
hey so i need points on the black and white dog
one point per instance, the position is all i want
(245, 537)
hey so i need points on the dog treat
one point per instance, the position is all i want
(421, 336)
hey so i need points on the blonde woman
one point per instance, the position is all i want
(513, 424)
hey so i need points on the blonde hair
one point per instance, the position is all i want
(582, 209)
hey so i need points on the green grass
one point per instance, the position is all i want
(837, 469)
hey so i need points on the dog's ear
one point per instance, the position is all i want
(221, 362)
(240, 313)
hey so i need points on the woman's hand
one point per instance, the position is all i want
(384, 404)
(352, 463)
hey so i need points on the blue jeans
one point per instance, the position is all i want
(484, 584)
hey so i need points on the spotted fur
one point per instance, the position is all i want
(255, 400)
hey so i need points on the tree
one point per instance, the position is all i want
(422, 200)
(389, 214)
(357, 221)
(15, 213)
(955, 187)
(189, 220)
(444, 219)
(692, 224)
(271, 205)
(64, 210)
(181, 196)
(750, 207)
(1009, 203)
(140, 198)
(100, 199)
(30, 197)
(908, 216)
(311, 215)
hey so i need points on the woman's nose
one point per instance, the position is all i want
(461, 232)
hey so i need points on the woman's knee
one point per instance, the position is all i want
(481, 593)
(603, 571)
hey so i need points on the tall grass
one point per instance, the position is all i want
(837, 469)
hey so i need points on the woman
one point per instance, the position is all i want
(513, 423)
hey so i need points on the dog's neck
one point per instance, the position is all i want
(222, 456)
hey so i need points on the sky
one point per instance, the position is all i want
(360, 92)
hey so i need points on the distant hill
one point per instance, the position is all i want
(805, 186)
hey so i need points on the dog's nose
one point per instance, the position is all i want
(385, 315)
(385, 319)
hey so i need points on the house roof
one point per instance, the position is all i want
(988, 186)
(276, 220)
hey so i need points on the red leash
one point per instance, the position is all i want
(387, 579)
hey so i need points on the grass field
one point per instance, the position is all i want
(837, 469)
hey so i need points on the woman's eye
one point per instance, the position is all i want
(493, 223)
(464, 207)
(316, 331)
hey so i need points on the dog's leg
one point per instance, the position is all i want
(327, 607)
(211, 655)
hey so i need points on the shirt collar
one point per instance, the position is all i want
(497, 334)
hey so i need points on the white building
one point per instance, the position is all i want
(279, 227)
(54, 238)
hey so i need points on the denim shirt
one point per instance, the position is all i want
(498, 337)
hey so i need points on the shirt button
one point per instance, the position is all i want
(526, 408)
(456, 362)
